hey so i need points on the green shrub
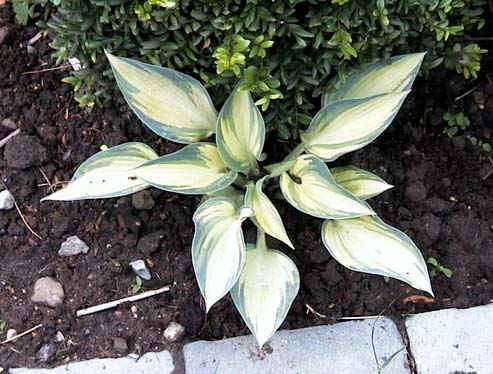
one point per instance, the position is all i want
(289, 46)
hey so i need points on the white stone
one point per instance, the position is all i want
(6, 200)
(72, 247)
(140, 268)
(452, 340)
(11, 333)
(343, 348)
(174, 332)
(48, 291)
(150, 363)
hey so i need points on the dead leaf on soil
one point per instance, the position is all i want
(422, 299)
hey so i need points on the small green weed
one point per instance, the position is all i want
(137, 286)
(484, 146)
(455, 122)
(438, 268)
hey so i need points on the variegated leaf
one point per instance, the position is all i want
(266, 216)
(309, 187)
(369, 245)
(172, 104)
(107, 174)
(218, 247)
(394, 75)
(195, 169)
(265, 290)
(240, 131)
(230, 192)
(359, 182)
(347, 125)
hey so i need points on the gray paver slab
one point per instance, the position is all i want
(453, 341)
(343, 348)
(150, 363)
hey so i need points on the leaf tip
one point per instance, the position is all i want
(261, 339)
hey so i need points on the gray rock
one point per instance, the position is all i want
(8, 123)
(150, 243)
(24, 151)
(150, 363)
(174, 332)
(48, 291)
(11, 333)
(73, 246)
(143, 200)
(120, 345)
(452, 340)
(343, 348)
(6, 200)
(59, 337)
(46, 353)
(140, 268)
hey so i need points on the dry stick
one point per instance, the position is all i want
(356, 318)
(45, 70)
(20, 335)
(465, 94)
(35, 38)
(8, 137)
(20, 212)
(113, 304)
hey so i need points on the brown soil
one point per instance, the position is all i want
(442, 199)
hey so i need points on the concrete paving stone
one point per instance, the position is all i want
(343, 348)
(453, 341)
(150, 363)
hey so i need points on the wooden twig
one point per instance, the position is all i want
(45, 70)
(356, 318)
(465, 94)
(115, 303)
(20, 212)
(35, 38)
(8, 137)
(21, 334)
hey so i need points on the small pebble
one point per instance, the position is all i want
(11, 333)
(46, 352)
(73, 246)
(120, 345)
(8, 123)
(48, 291)
(59, 337)
(150, 243)
(140, 268)
(6, 200)
(143, 200)
(134, 310)
(174, 332)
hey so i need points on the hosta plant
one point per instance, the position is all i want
(262, 281)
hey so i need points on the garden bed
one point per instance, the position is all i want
(443, 199)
